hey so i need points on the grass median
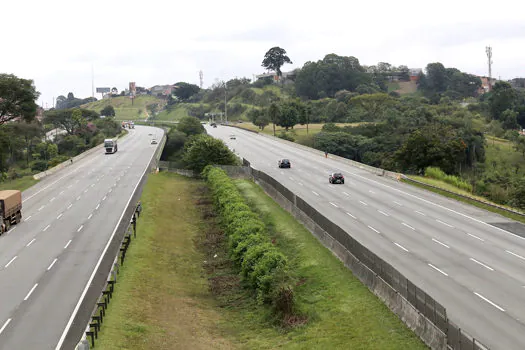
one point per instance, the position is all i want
(178, 290)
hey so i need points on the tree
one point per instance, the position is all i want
(274, 114)
(152, 108)
(289, 114)
(17, 98)
(274, 59)
(374, 104)
(108, 111)
(502, 97)
(185, 90)
(190, 126)
(202, 150)
(305, 115)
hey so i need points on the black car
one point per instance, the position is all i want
(336, 178)
(284, 163)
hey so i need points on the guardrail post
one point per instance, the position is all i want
(91, 334)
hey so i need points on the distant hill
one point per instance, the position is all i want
(124, 110)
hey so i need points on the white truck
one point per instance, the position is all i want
(110, 145)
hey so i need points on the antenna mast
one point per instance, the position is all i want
(488, 50)
(92, 83)
(201, 77)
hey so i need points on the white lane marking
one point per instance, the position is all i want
(516, 255)
(59, 216)
(80, 228)
(407, 225)
(79, 180)
(420, 213)
(45, 228)
(29, 217)
(53, 263)
(5, 325)
(11, 230)
(31, 242)
(31, 291)
(346, 194)
(61, 193)
(98, 206)
(482, 264)
(438, 242)
(85, 191)
(52, 199)
(282, 173)
(90, 216)
(371, 191)
(400, 246)
(69, 206)
(398, 203)
(67, 244)
(291, 178)
(373, 229)
(435, 268)
(382, 212)
(490, 302)
(335, 205)
(317, 194)
(351, 215)
(104, 198)
(95, 269)
(363, 203)
(69, 186)
(300, 183)
(78, 198)
(444, 223)
(42, 207)
(476, 237)
(10, 261)
(92, 185)
(110, 190)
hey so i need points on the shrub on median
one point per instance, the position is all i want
(262, 265)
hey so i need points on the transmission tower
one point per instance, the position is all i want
(201, 77)
(488, 50)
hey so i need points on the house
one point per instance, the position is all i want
(165, 90)
(485, 85)
(286, 77)
(414, 74)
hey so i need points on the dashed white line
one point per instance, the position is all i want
(31, 291)
(53, 263)
(5, 325)
(69, 186)
(516, 255)
(45, 228)
(373, 229)
(382, 212)
(400, 246)
(371, 191)
(98, 206)
(42, 207)
(300, 184)
(78, 198)
(10, 261)
(420, 213)
(85, 191)
(444, 223)
(31, 242)
(67, 244)
(80, 228)
(104, 198)
(398, 203)
(363, 203)
(407, 225)
(335, 205)
(92, 185)
(69, 206)
(52, 199)
(438, 242)
(29, 217)
(90, 216)
(291, 178)
(482, 264)
(61, 193)
(346, 194)
(282, 173)
(490, 302)
(317, 194)
(435, 268)
(59, 216)
(110, 190)
(351, 215)
(476, 237)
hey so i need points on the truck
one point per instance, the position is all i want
(110, 145)
(10, 209)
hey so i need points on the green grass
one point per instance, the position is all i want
(124, 110)
(393, 86)
(343, 313)
(21, 184)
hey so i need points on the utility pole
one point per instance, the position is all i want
(201, 78)
(225, 105)
(92, 83)
(488, 50)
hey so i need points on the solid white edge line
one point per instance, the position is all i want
(83, 295)
(400, 246)
(67, 244)
(435, 268)
(438, 242)
(516, 255)
(482, 264)
(335, 205)
(5, 325)
(30, 292)
(490, 302)
(10, 261)
(53, 263)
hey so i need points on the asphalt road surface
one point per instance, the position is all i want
(47, 260)
(469, 260)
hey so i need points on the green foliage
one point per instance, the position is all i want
(56, 160)
(108, 111)
(185, 90)
(502, 97)
(190, 126)
(286, 136)
(438, 174)
(39, 165)
(174, 144)
(274, 59)
(17, 98)
(202, 150)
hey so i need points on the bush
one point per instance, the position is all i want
(38, 165)
(57, 160)
(438, 174)
(285, 136)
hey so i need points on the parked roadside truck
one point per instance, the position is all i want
(10, 209)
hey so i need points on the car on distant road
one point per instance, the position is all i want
(154, 142)
(284, 163)
(232, 137)
(213, 125)
(336, 178)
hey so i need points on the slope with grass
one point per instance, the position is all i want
(124, 109)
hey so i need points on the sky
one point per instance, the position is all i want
(64, 45)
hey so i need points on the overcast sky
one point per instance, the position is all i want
(56, 42)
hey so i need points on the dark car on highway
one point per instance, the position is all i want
(284, 163)
(336, 178)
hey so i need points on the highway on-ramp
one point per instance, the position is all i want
(469, 260)
(47, 260)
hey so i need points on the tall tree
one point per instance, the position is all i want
(185, 90)
(274, 114)
(502, 97)
(17, 98)
(274, 59)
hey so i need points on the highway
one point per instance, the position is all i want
(470, 260)
(47, 260)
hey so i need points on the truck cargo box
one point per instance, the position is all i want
(10, 202)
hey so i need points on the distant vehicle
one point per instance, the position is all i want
(110, 145)
(154, 141)
(131, 125)
(284, 163)
(213, 125)
(10, 209)
(232, 137)
(336, 178)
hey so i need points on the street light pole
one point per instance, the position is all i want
(225, 105)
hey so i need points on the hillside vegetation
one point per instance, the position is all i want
(124, 109)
